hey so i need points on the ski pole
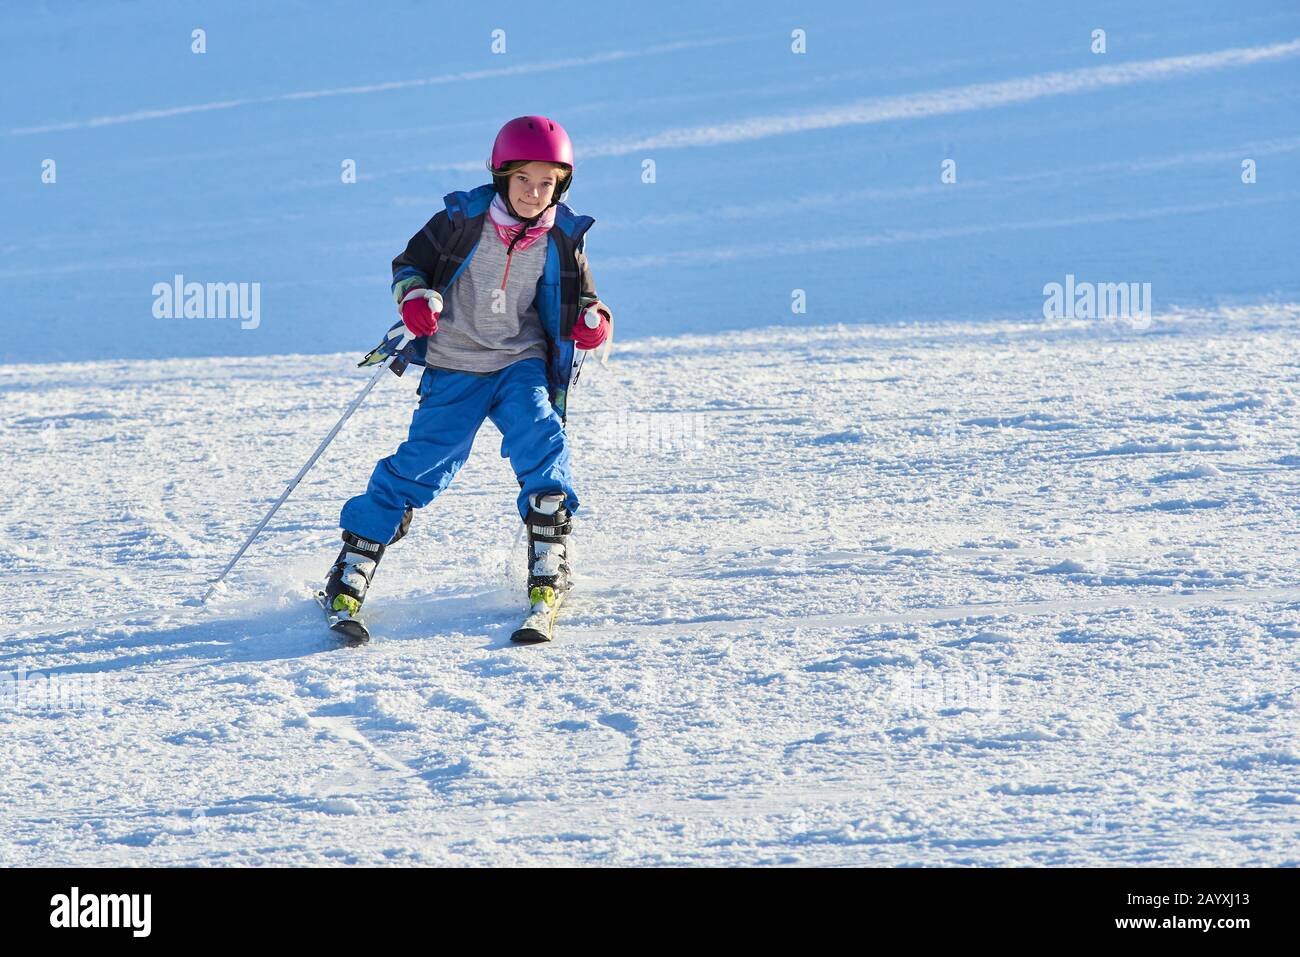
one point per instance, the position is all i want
(397, 351)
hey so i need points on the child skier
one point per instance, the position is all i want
(497, 291)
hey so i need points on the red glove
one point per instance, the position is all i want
(419, 317)
(586, 337)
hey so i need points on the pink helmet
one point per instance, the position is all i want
(533, 138)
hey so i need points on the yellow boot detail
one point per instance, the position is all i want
(541, 593)
(346, 603)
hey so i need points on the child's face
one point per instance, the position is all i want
(531, 188)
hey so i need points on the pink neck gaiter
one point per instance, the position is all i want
(508, 226)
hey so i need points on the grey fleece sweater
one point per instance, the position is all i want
(483, 327)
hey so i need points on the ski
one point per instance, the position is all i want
(352, 630)
(539, 624)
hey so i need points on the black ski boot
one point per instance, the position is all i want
(350, 577)
(548, 564)
(346, 584)
(548, 541)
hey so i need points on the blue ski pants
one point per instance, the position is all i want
(452, 407)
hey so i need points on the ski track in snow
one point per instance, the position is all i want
(464, 76)
(999, 594)
(911, 107)
(931, 103)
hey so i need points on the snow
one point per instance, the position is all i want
(941, 642)
(916, 576)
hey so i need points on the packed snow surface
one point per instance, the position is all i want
(998, 593)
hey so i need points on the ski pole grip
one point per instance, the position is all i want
(398, 361)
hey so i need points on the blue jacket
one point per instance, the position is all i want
(437, 255)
